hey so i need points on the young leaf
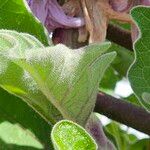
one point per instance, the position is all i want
(139, 74)
(67, 79)
(67, 135)
(70, 78)
(18, 81)
(16, 15)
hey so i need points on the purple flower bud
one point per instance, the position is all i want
(50, 13)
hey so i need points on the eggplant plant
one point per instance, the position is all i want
(60, 62)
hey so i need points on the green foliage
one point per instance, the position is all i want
(139, 74)
(118, 68)
(17, 80)
(21, 128)
(123, 60)
(121, 139)
(16, 15)
(48, 75)
(110, 79)
(143, 144)
(133, 99)
(124, 140)
(58, 83)
(67, 135)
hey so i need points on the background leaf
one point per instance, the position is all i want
(133, 99)
(124, 140)
(119, 137)
(110, 78)
(117, 70)
(139, 74)
(123, 60)
(143, 144)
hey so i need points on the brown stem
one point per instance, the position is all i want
(123, 112)
(119, 36)
(114, 34)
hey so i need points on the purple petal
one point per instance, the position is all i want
(50, 13)
(38, 8)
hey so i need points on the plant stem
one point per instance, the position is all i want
(119, 36)
(114, 34)
(123, 112)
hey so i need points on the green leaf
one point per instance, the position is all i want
(133, 99)
(143, 144)
(119, 137)
(67, 135)
(118, 68)
(18, 81)
(123, 60)
(109, 80)
(20, 127)
(139, 74)
(16, 15)
(68, 79)
(124, 140)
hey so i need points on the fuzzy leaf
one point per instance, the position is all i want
(139, 74)
(18, 81)
(67, 135)
(67, 79)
